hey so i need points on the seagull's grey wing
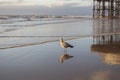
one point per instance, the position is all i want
(68, 45)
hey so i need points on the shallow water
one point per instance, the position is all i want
(42, 62)
(34, 53)
(43, 33)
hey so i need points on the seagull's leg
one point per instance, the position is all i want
(64, 49)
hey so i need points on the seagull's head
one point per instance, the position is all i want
(61, 39)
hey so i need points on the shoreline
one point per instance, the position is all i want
(48, 41)
(43, 16)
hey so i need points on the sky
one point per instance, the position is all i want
(52, 7)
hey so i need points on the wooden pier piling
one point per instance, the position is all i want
(106, 8)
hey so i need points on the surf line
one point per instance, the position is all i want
(80, 36)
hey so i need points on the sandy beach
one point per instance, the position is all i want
(43, 62)
(34, 52)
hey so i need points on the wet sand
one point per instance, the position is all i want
(42, 62)
(40, 57)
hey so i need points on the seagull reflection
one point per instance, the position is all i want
(65, 56)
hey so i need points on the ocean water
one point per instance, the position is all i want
(18, 33)
(30, 50)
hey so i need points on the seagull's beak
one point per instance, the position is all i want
(59, 39)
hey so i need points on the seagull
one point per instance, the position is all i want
(65, 45)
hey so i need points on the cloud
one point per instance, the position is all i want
(52, 3)
(64, 0)
(57, 7)
(11, 2)
(20, 1)
(76, 2)
(68, 9)
(5, 2)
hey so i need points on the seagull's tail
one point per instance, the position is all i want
(71, 46)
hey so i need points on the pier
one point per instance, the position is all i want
(106, 8)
